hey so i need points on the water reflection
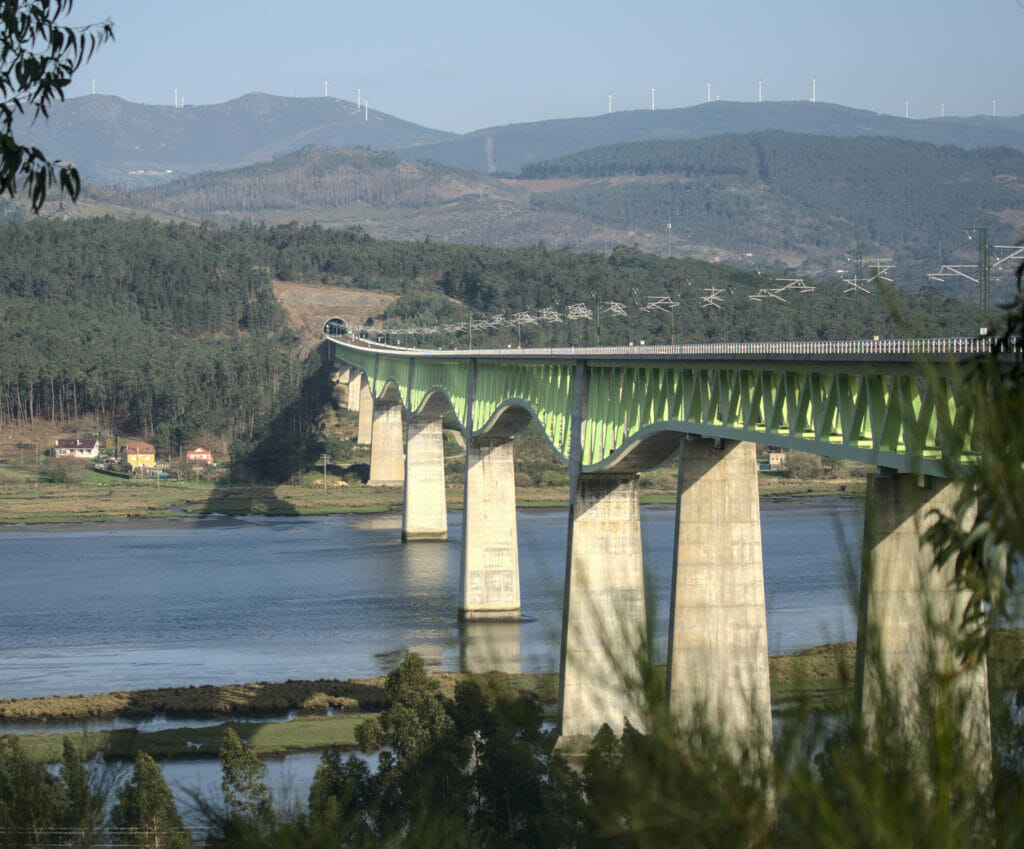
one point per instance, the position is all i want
(491, 646)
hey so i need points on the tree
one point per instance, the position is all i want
(243, 774)
(985, 534)
(146, 811)
(84, 811)
(30, 800)
(37, 58)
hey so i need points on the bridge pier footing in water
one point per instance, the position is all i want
(490, 550)
(425, 507)
(910, 616)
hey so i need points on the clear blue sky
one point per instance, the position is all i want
(458, 65)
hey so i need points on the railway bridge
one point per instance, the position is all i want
(612, 413)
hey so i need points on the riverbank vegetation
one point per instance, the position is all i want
(300, 715)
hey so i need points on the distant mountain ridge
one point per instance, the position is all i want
(509, 148)
(112, 140)
(115, 141)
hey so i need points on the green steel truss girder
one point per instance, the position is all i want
(885, 413)
(543, 388)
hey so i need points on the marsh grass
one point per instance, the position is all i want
(267, 739)
(203, 701)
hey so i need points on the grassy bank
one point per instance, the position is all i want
(820, 678)
(268, 739)
(24, 499)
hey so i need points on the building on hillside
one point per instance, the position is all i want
(83, 448)
(199, 455)
(776, 461)
(139, 455)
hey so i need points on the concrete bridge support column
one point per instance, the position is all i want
(490, 548)
(910, 615)
(365, 407)
(425, 510)
(387, 460)
(342, 376)
(718, 636)
(604, 620)
(356, 379)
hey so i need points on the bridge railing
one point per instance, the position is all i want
(844, 349)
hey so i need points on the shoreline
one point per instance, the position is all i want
(295, 716)
(57, 506)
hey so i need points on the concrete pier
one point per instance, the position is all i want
(387, 457)
(604, 623)
(425, 509)
(490, 549)
(910, 614)
(365, 407)
(356, 379)
(718, 637)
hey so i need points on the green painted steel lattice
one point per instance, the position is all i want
(886, 413)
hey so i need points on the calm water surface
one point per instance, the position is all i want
(86, 609)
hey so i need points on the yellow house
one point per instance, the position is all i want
(139, 455)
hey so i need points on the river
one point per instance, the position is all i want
(155, 603)
(152, 603)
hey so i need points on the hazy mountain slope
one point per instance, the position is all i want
(310, 179)
(509, 148)
(114, 141)
(771, 198)
(108, 138)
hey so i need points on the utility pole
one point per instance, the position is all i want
(983, 266)
(323, 458)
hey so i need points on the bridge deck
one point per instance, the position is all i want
(888, 402)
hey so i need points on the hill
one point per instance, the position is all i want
(774, 199)
(509, 148)
(794, 197)
(114, 141)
